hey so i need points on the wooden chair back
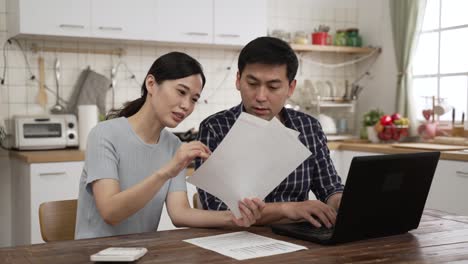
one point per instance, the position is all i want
(57, 220)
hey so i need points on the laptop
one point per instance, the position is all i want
(384, 195)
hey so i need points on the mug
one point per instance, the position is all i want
(321, 38)
(442, 108)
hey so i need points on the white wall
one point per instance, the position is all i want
(375, 26)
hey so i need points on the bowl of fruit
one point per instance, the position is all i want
(392, 128)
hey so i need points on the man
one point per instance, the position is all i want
(265, 78)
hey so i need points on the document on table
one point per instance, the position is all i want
(255, 156)
(244, 245)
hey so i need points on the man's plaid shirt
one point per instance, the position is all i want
(317, 173)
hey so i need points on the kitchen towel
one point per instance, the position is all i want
(90, 89)
(87, 119)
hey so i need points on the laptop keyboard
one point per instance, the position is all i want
(307, 228)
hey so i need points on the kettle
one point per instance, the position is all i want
(327, 123)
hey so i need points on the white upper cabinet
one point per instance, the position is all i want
(239, 22)
(123, 19)
(49, 17)
(184, 21)
(224, 22)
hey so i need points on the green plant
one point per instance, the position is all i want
(372, 117)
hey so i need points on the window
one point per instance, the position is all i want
(440, 65)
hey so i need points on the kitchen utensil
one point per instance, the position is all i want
(332, 88)
(57, 108)
(327, 123)
(41, 95)
(458, 130)
(427, 114)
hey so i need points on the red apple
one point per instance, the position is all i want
(396, 116)
(386, 120)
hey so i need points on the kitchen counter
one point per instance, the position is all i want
(77, 155)
(388, 149)
(43, 156)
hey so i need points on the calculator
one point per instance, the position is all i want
(119, 254)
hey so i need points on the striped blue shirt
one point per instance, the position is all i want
(317, 173)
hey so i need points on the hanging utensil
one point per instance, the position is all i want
(57, 108)
(41, 95)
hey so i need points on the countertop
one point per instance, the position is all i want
(42, 156)
(77, 155)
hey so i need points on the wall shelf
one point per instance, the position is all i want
(337, 49)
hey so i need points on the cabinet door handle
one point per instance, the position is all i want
(71, 26)
(462, 174)
(229, 35)
(111, 28)
(53, 173)
(197, 33)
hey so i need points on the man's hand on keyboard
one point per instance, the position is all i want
(311, 210)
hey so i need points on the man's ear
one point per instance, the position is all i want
(150, 83)
(292, 87)
(238, 81)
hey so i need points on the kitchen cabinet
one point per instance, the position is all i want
(239, 22)
(48, 17)
(184, 21)
(33, 184)
(123, 19)
(222, 22)
(449, 188)
(110, 19)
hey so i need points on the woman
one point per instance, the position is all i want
(133, 165)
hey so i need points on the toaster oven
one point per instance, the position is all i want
(44, 132)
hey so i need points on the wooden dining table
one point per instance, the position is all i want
(440, 238)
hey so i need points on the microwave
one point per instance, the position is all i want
(44, 132)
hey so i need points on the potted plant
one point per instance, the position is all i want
(370, 119)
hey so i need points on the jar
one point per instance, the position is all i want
(353, 38)
(340, 38)
(300, 37)
(281, 34)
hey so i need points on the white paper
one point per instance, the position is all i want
(255, 156)
(244, 245)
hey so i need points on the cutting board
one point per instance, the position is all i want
(427, 146)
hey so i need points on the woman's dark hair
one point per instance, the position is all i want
(171, 66)
(270, 51)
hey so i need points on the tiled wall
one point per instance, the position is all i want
(18, 95)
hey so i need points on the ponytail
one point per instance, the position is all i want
(130, 108)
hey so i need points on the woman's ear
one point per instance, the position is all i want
(150, 83)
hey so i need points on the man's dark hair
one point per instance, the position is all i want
(271, 51)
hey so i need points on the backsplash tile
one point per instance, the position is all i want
(18, 95)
